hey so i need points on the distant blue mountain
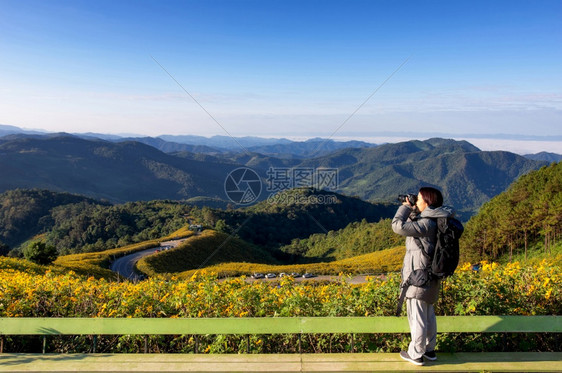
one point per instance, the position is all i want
(279, 148)
(224, 142)
(545, 156)
(310, 148)
(174, 147)
(13, 130)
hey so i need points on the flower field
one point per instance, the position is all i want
(34, 291)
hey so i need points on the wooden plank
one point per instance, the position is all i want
(459, 362)
(377, 324)
(129, 326)
(270, 325)
(495, 324)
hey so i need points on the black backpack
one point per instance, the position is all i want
(446, 254)
(444, 259)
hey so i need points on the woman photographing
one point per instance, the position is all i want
(415, 219)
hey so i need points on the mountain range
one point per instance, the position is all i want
(129, 169)
(117, 172)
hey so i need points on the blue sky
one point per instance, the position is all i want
(283, 68)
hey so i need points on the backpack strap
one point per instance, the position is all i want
(418, 241)
(401, 299)
(420, 245)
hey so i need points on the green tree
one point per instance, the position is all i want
(40, 253)
(221, 226)
(529, 212)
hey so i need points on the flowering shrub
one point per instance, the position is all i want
(494, 290)
(511, 289)
(36, 291)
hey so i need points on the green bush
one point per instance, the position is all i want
(40, 253)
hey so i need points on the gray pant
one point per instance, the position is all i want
(423, 327)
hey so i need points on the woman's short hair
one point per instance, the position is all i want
(432, 196)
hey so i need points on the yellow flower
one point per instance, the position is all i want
(164, 297)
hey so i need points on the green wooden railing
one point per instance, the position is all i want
(270, 325)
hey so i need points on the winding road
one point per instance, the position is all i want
(125, 265)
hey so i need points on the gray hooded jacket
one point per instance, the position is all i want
(425, 229)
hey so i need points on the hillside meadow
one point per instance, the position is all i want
(374, 263)
(233, 257)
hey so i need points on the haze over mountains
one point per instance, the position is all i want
(129, 169)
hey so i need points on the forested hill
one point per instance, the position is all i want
(25, 213)
(529, 212)
(358, 238)
(75, 224)
(295, 213)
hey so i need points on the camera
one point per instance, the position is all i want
(410, 198)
